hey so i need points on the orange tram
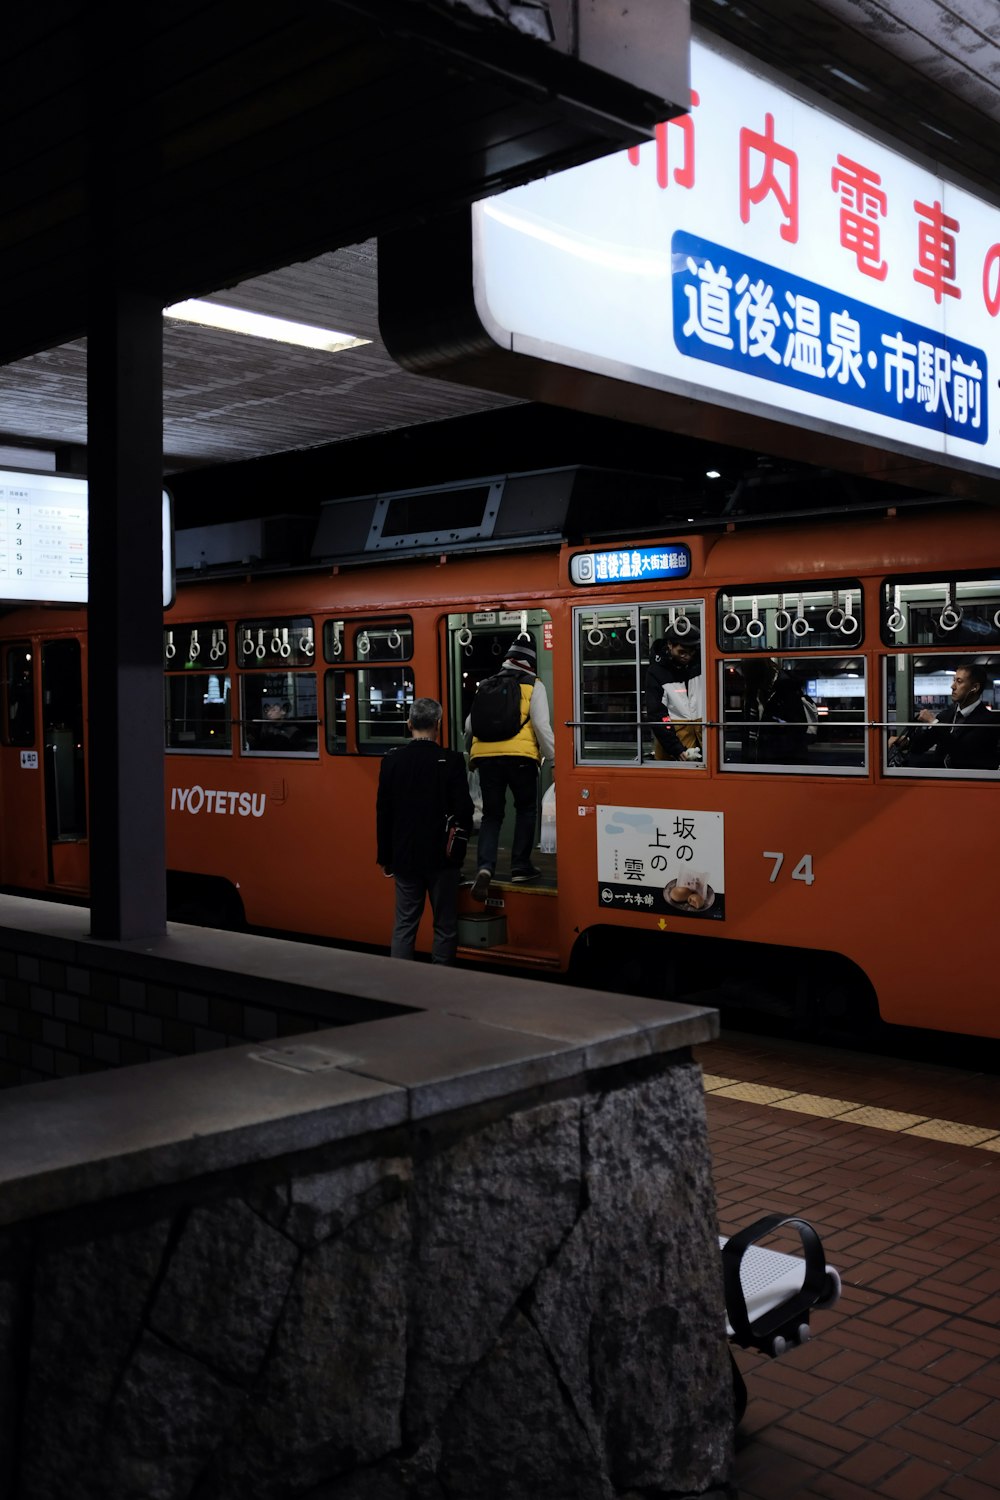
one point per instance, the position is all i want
(830, 875)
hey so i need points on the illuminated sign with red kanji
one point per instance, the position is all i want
(862, 204)
(936, 250)
(778, 164)
(765, 255)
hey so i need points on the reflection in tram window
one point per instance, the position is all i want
(943, 713)
(613, 645)
(801, 713)
(19, 682)
(384, 698)
(279, 713)
(198, 711)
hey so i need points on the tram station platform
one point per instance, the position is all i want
(897, 1164)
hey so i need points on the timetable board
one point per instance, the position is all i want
(43, 539)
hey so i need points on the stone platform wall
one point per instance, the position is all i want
(463, 1251)
(515, 1301)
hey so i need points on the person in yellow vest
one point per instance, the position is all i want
(512, 763)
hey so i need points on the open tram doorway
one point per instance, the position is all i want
(477, 644)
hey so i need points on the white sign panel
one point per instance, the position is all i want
(661, 861)
(761, 253)
(43, 539)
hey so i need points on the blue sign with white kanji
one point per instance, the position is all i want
(766, 323)
(631, 564)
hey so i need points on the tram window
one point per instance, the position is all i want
(382, 641)
(279, 713)
(19, 685)
(196, 648)
(926, 736)
(609, 685)
(770, 619)
(337, 689)
(793, 714)
(279, 642)
(198, 711)
(366, 641)
(613, 649)
(384, 698)
(941, 612)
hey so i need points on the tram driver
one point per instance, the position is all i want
(675, 698)
(965, 736)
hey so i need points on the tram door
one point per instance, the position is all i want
(23, 859)
(64, 769)
(477, 644)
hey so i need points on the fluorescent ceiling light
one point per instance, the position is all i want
(258, 325)
(846, 78)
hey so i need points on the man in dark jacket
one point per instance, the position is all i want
(420, 784)
(673, 694)
(963, 737)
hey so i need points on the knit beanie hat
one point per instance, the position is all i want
(675, 637)
(522, 651)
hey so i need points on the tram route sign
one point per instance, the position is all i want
(762, 253)
(661, 862)
(43, 540)
(630, 565)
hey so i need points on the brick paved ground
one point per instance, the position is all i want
(898, 1396)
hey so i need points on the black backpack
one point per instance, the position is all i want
(496, 708)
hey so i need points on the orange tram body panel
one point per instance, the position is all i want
(799, 859)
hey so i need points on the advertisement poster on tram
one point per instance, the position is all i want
(762, 252)
(661, 861)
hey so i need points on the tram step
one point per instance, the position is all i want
(482, 931)
(537, 961)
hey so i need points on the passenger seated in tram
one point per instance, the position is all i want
(674, 690)
(779, 717)
(276, 733)
(965, 736)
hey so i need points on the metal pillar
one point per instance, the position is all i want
(125, 661)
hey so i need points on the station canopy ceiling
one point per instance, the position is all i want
(261, 171)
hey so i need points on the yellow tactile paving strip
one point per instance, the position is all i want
(852, 1113)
